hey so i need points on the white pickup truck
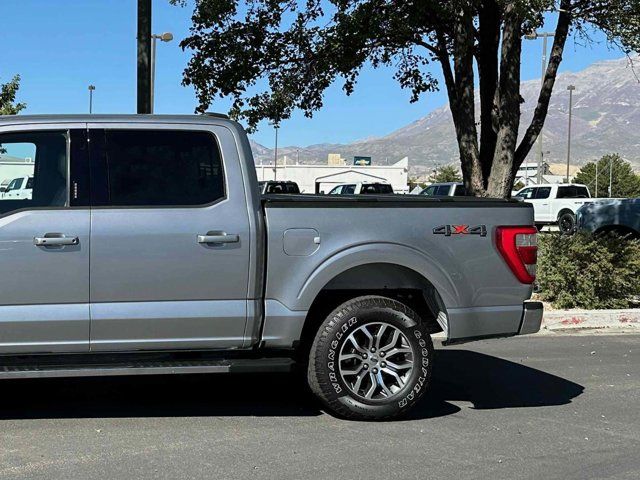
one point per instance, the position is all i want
(20, 188)
(556, 203)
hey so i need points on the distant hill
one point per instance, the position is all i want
(606, 119)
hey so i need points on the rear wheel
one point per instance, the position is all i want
(567, 223)
(371, 359)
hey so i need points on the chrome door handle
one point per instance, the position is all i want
(218, 238)
(55, 241)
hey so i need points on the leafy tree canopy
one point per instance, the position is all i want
(275, 56)
(448, 173)
(625, 182)
(8, 91)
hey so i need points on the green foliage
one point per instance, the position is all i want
(448, 173)
(625, 182)
(8, 91)
(587, 271)
(274, 56)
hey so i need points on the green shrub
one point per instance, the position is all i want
(587, 271)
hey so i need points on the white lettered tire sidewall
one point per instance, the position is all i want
(324, 375)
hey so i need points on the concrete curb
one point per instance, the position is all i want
(562, 320)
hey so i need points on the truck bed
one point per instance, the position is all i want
(318, 242)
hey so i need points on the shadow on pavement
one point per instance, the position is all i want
(489, 382)
(459, 375)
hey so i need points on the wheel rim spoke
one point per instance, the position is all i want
(356, 345)
(392, 343)
(379, 335)
(366, 331)
(382, 384)
(374, 386)
(399, 366)
(395, 351)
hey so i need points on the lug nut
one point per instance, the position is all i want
(366, 366)
(373, 350)
(383, 364)
(364, 355)
(375, 370)
(381, 354)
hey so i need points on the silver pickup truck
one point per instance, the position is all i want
(146, 248)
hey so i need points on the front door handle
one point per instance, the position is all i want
(49, 240)
(218, 237)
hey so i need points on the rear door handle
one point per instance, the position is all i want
(54, 241)
(220, 237)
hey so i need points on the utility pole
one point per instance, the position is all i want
(571, 88)
(544, 36)
(610, 177)
(144, 56)
(596, 194)
(91, 90)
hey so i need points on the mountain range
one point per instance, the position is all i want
(606, 119)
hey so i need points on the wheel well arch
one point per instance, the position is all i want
(385, 279)
(565, 210)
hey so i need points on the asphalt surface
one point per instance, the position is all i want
(538, 407)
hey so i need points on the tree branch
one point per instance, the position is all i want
(540, 113)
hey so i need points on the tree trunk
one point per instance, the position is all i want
(500, 179)
(464, 114)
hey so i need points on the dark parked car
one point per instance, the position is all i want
(273, 186)
(615, 215)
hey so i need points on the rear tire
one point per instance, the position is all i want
(371, 359)
(567, 223)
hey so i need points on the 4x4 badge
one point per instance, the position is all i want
(448, 230)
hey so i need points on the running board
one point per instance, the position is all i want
(239, 365)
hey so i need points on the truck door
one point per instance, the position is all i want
(44, 241)
(542, 204)
(170, 239)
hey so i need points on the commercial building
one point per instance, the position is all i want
(321, 178)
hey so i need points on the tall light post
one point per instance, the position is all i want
(165, 37)
(91, 90)
(544, 36)
(571, 88)
(276, 126)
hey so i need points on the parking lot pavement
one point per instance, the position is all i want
(531, 407)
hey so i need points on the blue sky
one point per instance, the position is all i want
(60, 47)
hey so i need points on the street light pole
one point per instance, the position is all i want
(571, 88)
(275, 162)
(91, 89)
(165, 37)
(544, 36)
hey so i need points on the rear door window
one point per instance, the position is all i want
(158, 168)
(348, 189)
(567, 192)
(543, 192)
(460, 191)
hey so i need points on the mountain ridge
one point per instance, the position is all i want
(606, 109)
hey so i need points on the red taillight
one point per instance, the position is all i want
(519, 248)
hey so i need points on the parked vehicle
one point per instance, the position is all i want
(445, 189)
(20, 188)
(273, 186)
(621, 216)
(156, 254)
(556, 203)
(362, 188)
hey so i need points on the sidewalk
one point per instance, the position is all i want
(604, 321)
